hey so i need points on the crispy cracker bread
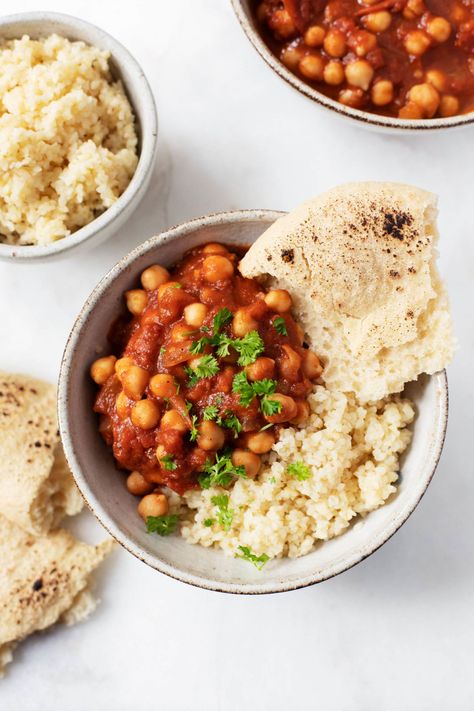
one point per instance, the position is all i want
(359, 261)
(44, 580)
(36, 487)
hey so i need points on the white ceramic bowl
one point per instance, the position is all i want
(124, 67)
(103, 486)
(366, 119)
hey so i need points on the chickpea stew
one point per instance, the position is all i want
(207, 367)
(411, 59)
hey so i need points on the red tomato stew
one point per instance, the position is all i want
(207, 367)
(410, 59)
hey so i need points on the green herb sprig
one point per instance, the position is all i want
(162, 525)
(257, 561)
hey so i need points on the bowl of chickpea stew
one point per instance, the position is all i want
(388, 64)
(120, 498)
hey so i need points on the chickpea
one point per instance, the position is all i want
(260, 369)
(426, 97)
(382, 92)
(214, 248)
(351, 97)
(138, 485)
(288, 410)
(302, 414)
(160, 452)
(290, 56)
(145, 414)
(417, 42)
(410, 111)
(378, 21)
(211, 436)
(195, 314)
(439, 29)
(173, 420)
(122, 404)
(363, 42)
(243, 323)
(334, 73)
(121, 366)
(260, 442)
(459, 14)
(312, 67)
(335, 43)
(154, 277)
(360, 73)
(168, 287)
(217, 268)
(413, 9)
(437, 78)
(278, 300)
(311, 365)
(299, 334)
(281, 23)
(136, 300)
(163, 385)
(250, 461)
(134, 381)
(102, 369)
(182, 332)
(449, 106)
(314, 36)
(290, 364)
(153, 505)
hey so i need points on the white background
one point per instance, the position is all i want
(396, 632)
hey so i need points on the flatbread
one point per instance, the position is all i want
(45, 579)
(36, 487)
(359, 262)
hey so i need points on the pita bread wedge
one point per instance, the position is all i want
(359, 261)
(44, 580)
(36, 487)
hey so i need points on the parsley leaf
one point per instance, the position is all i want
(280, 326)
(162, 350)
(299, 470)
(208, 522)
(206, 368)
(194, 432)
(270, 407)
(241, 385)
(199, 345)
(258, 561)
(168, 462)
(222, 317)
(221, 472)
(249, 347)
(210, 412)
(264, 387)
(176, 286)
(225, 515)
(223, 344)
(162, 525)
(230, 422)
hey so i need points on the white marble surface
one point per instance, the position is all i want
(396, 632)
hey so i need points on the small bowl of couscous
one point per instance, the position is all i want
(79, 134)
(401, 66)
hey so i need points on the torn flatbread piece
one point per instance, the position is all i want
(36, 486)
(360, 262)
(45, 579)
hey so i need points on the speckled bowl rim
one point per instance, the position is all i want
(146, 160)
(362, 117)
(94, 504)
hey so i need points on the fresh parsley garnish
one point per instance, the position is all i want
(168, 462)
(249, 347)
(225, 515)
(299, 470)
(162, 350)
(176, 286)
(210, 412)
(223, 343)
(208, 522)
(199, 345)
(206, 368)
(280, 326)
(222, 317)
(241, 385)
(270, 407)
(194, 431)
(264, 387)
(257, 561)
(162, 525)
(221, 472)
(230, 422)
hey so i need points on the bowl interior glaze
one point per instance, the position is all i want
(103, 486)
